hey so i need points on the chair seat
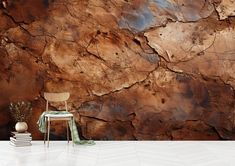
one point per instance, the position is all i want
(59, 115)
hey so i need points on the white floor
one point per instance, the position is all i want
(120, 153)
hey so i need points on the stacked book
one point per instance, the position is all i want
(20, 139)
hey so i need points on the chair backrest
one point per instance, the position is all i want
(57, 97)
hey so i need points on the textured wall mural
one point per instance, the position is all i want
(136, 69)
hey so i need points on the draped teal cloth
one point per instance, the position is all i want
(72, 125)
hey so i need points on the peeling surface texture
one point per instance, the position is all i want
(136, 69)
(226, 9)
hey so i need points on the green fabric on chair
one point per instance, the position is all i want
(72, 125)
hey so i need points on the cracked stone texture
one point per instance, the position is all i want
(226, 9)
(136, 69)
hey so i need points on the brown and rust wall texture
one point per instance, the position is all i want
(136, 69)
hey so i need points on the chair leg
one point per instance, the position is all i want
(45, 134)
(48, 132)
(67, 126)
(71, 132)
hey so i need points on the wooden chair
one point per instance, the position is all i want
(56, 97)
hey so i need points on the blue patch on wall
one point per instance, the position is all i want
(142, 18)
(137, 20)
(152, 58)
(163, 4)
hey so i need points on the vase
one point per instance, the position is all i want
(21, 127)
